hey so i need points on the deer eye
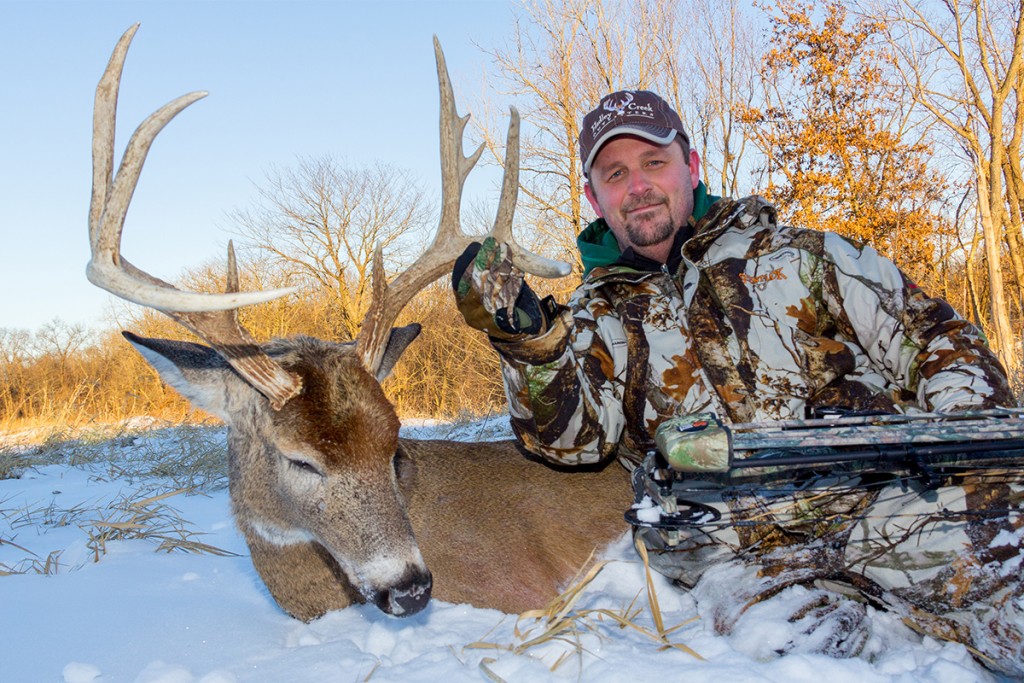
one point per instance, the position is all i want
(304, 466)
(405, 468)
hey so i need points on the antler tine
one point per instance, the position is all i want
(450, 241)
(213, 317)
(509, 182)
(523, 258)
(223, 331)
(455, 167)
(109, 204)
(372, 340)
(103, 125)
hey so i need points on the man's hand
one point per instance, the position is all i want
(492, 295)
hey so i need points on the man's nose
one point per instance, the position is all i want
(639, 182)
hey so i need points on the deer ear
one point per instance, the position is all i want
(197, 372)
(400, 338)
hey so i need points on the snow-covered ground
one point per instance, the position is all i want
(79, 605)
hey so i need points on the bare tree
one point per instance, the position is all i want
(563, 56)
(714, 84)
(320, 222)
(14, 346)
(963, 63)
(15, 356)
(60, 340)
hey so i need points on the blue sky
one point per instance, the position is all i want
(355, 80)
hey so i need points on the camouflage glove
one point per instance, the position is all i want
(493, 297)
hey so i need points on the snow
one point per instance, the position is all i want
(1006, 537)
(647, 511)
(122, 610)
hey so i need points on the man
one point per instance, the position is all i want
(693, 304)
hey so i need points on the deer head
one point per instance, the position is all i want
(312, 439)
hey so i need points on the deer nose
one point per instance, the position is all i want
(409, 596)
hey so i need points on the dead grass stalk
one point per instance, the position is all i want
(561, 621)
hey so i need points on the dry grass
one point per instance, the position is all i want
(140, 515)
(560, 621)
(161, 463)
(191, 456)
(147, 519)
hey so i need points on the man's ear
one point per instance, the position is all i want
(592, 198)
(694, 168)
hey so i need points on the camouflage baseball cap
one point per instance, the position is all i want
(628, 112)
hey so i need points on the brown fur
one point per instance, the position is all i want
(337, 509)
(499, 530)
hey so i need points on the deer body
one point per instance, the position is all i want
(509, 550)
(336, 509)
(334, 506)
(508, 532)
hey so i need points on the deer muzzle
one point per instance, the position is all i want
(407, 597)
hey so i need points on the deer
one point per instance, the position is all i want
(336, 509)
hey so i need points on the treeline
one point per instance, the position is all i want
(62, 375)
(896, 122)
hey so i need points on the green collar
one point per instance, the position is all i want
(598, 246)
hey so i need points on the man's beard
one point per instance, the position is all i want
(645, 231)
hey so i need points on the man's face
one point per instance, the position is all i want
(644, 191)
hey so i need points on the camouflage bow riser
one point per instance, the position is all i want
(801, 465)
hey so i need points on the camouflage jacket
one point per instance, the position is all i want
(758, 322)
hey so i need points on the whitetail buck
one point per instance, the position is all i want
(334, 506)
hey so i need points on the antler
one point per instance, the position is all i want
(449, 241)
(213, 317)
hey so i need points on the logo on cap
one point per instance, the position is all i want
(618, 107)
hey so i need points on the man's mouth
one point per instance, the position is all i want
(645, 202)
(639, 210)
